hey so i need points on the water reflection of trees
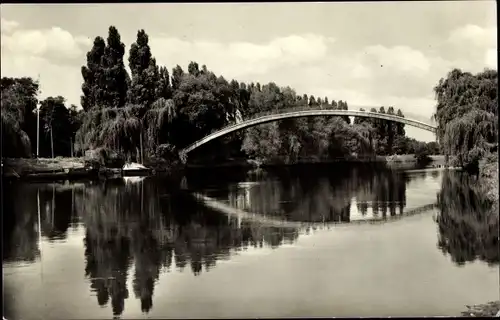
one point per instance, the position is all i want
(324, 196)
(156, 229)
(27, 205)
(468, 227)
(19, 223)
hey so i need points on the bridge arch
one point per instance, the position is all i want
(305, 113)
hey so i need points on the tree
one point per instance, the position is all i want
(15, 141)
(114, 82)
(400, 127)
(55, 121)
(158, 122)
(390, 131)
(343, 106)
(177, 74)
(312, 101)
(93, 75)
(145, 73)
(163, 87)
(467, 115)
(193, 69)
(334, 105)
(22, 101)
(75, 120)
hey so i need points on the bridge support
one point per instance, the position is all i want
(183, 156)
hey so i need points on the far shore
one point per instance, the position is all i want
(67, 168)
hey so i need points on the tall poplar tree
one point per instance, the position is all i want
(93, 75)
(115, 74)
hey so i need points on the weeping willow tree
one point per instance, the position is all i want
(467, 115)
(471, 136)
(124, 130)
(118, 129)
(156, 122)
(15, 141)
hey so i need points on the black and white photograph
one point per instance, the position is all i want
(249, 160)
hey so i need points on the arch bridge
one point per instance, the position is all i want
(287, 114)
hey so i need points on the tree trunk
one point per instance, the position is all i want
(71, 146)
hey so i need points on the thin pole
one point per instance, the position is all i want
(51, 141)
(37, 130)
(38, 122)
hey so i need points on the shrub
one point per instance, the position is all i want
(104, 157)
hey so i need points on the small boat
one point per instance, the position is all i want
(135, 169)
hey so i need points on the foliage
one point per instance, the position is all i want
(92, 75)
(56, 127)
(104, 157)
(467, 115)
(19, 100)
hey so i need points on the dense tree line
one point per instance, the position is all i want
(155, 112)
(151, 113)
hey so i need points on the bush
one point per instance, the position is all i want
(422, 154)
(103, 157)
(168, 152)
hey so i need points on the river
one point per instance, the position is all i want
(320, 241)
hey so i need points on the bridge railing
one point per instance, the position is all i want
(297, 109)
(280, 111)
(275, 112)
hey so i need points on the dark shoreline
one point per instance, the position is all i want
(73, 169)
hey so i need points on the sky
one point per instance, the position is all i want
(365, 53)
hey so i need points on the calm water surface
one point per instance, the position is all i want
(344, 241)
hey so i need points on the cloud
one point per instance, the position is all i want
(475, 35)
(53, 43)
(491, 58)
(397, 59)
(242, 58)
(55, 79)
(7, 26)
(54, 54)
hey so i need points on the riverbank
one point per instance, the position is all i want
(62, 168)
(395, 160)
(490, 309)
(20, 168)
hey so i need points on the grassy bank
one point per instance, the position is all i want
(22, 166)
(62, 168)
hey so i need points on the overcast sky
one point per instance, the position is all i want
(372, 54)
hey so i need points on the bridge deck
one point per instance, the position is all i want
(305, 113)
